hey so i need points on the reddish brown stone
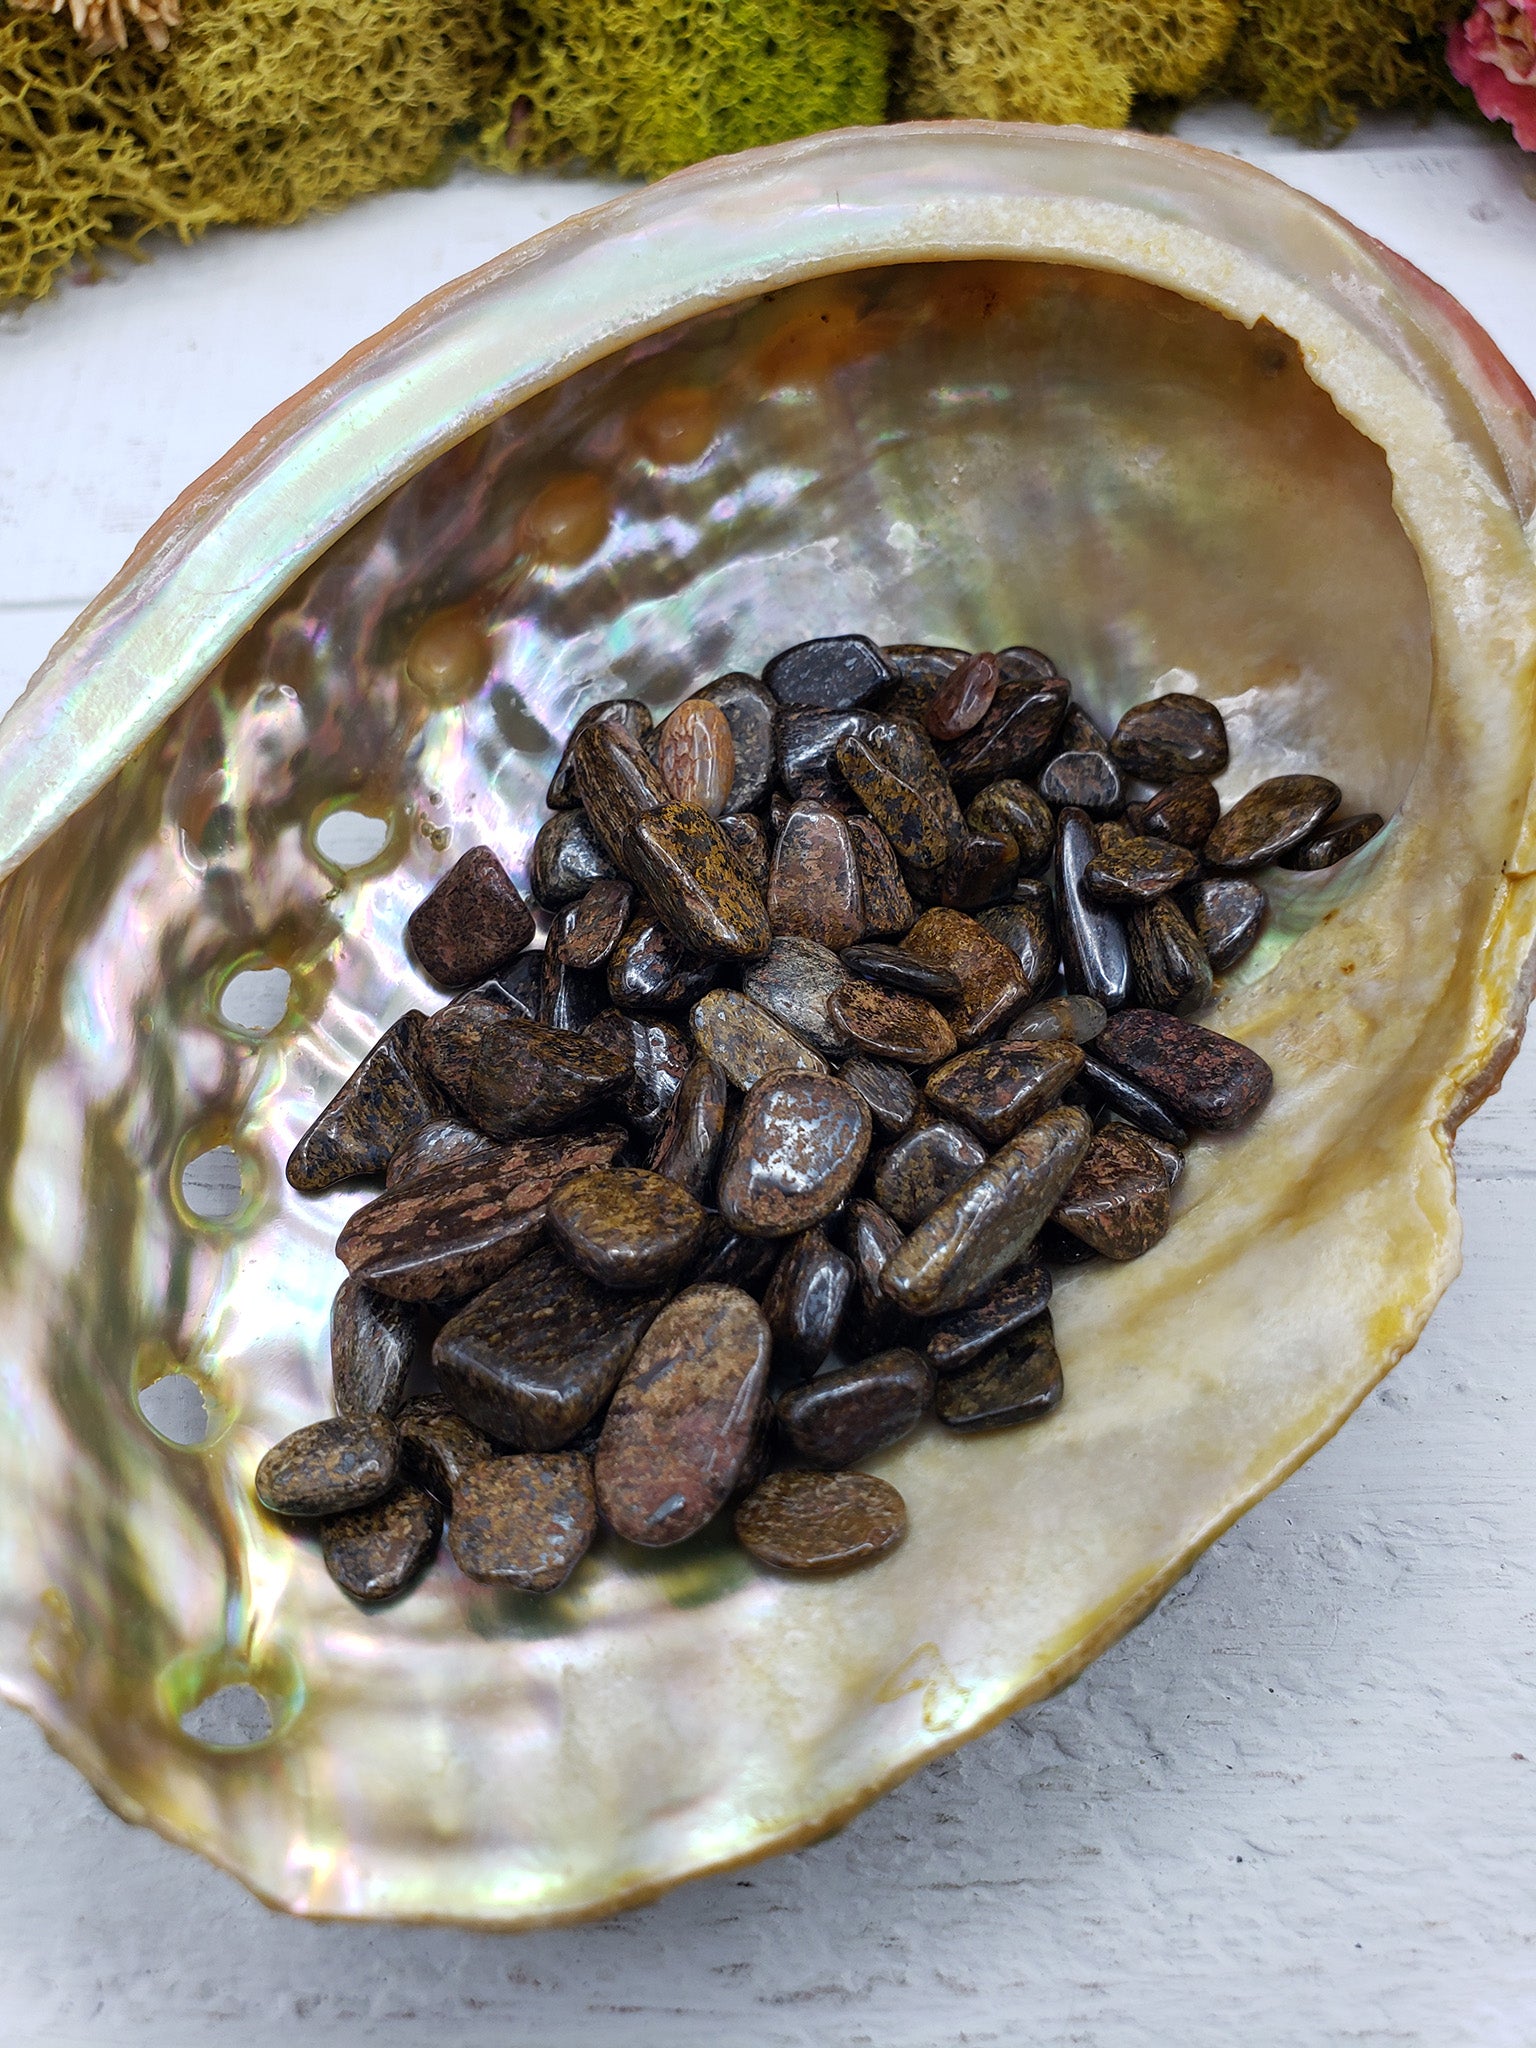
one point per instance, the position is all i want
(525, 1521)
(696, 755)
(473, 922)
(813, 886)
(963, 699)
(330, 1467)
(992, 982)
(856, 1410)
(997, 1089)
(510, 1076)
(695, 879)
(376, 1552)
(371, 1114)
(627, 1228)
(820, 1521)
(1210, 1081)
(890, 1025)
(797, 1149)
(1118, 1201)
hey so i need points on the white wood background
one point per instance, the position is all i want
(1296, 1806)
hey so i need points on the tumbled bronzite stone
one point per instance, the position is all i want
(1210, 1081)
(690, 1138)
(888, 1090)
(986, 1227)
(1012, 808)
(856, 1410)
(919, 670)
(888, 906)
(1338, 839)
(442, 1142)
(568, 998)
(1169, 970)
(520, 986)
(794, 981)
(981, 869)
(438, 1444)
(914, 1175)
(963, 699)
(473, 922)
(330, 1467)
(1118, 1201)
(1017, 1381)
(797, 1149)
(661, 1057)
(628, 1228)
(820, 1521)
(524, 1521)
(807, 743)
(992, 983)
(1028, 930)
(651, 969)
(1138, 1105)
(567, 860)
(371, 1114)
(833, 673)
(696, 755)
(1086, 779)
(805, 1302)
(1270, 820)
(373, 1341)
(959, 1340)
(896, 775)
(749, 712)
(629, 712)
(586, 931)
(533, 1358)
(814, 890)
(745, 1043)
(1015, 734)
(890, 1025)
(509, 1076)
(731, 1259)
(873, 1236)
(695, 879)
(680, 1426)
(895, 967)
(996, 1089)
(456, 1230)
(618, 783)
(1095, 953)
(1136, 870)
(1079, 1018)
(1173, 735)
(374, 1553)
(1184, 812)
(1228, 915)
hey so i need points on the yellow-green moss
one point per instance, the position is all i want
(1312, 65)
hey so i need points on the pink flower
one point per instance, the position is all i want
(1494, 52)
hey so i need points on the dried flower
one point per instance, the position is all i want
(1494, 52)
(100, 24)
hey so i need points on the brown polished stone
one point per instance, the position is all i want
(628, 1228)
(1228, 914)
(814, 890)
(618, 784)
(520, 986)
(807, 743)
(474, 922)
(1270, 820)
(1015, 735)
(438, 1445)
(330, 1467)
(914, 1175)
(805, 1302)
(857, 1410)
(1135, 870)
(749, 839)
(586, 931)
(567, 860)
(981, 870)
(1095, 953)
(629, 712)
(832, 674)
(442, 1142)
(371, 1114)
(661, 1056)
(894, 967)
(1079, 1018)
(651, 969)
(1184, 812)
(697, 883)
(689, 1143)
(1017, 1381)
(1014, 810)
(820, 1521)
(681, 1423)
(524, 1521)
(509, 1076)
(1172, 735)
(1028, 930)
(1085, 779)
(568, 998)
(1118, 1201)
(959, 1340)
(995, 1090)
(730, 1259)
(1210, 1081)
(794, 982)
(1338, 839)
(745, 1043)
(1112, 1090)
(890, 1025)
(887, 1089)
(373, 1341)
(375, 1552)
(992, 983)
(797, 1149)
(1169, 970)
(696, 755)
(888, 906)
(749, 711)
(963, 699)
(896, 775)
(874, 1236)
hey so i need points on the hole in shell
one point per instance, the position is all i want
(256, 999)
(224, 1700)
(351, 839)
(234, 1717)
(174, 1408)
(212, 1183)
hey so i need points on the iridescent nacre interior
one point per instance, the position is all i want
(970, 453)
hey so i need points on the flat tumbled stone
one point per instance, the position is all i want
(794, 982)
(586, 931)
(986, 1227)
(888, 906)
(992, 983)
(805, 1301)
(438, 1444)
(1079, 1018)
(749, 712)
(820, 1521)
(1086, 779)
(696, 880)
(1118, 1201)
(894, 967)
(1177, 734)
(833, 673)
(1337, 840)
(627, 1228)
(814, 891)
(1211, 1082)
(1270, 820)
(681, 1423)
(370, 1116)
(797, 1149)
(330, 1467)
(1014, 736)
(963, 699)
(1184, 812)
(890, 1025)
(473, 922)
(1169, 968)
(629, 712)
(373, 1341)
(1017, 1381)
(856, 1410)
(567, 860)
(1138, 1105)
(510, 1077)
(1028, 930)
(996, 1089)
(1095, 953)
(660, 1057)
(617, 782)
(651, 969)
(1138, 870)
(887, 1088)
(897, 777)
(960, 1339)
(745, 1043)
(689, 1142)
(524, 1521)
(535, 1357)
(914, 1175)
(445, 1141)
(376, 1552)
(696, 755)
(1228, 916)
(1012, 807)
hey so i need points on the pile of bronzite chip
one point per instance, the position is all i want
(864, 1002)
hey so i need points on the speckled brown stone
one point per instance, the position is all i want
(914, 1175)
(750, 841)
(888, 906)
(628, 1228)
(887, 1089)
(473, 922)
(1021, 814)
(524, 1521)
(807, 743)
(1017, 1381)
(629, 712)
(1127, 1098)
(895, 773)
(651, 969)
(1270, 820)
(661, 1056)
(586, 931)
(438, 1444)
(568, 998)
(454, 1231)
(442, 1142)
(985, 1228)
(534, 1358)
(1339, 838)
(992, 983)
(856, 1410)
(894, 967)
(890, 1025)
(731, 1259)
(805, 1301)
(1079, 1018)
(375, 1553)
(1118, 1201)
(794, 982)
(1210, 1081)
(696, 755)
(330, 1467)
(1015, 735)
(995, 1090)
(1169, 970)
(797, 1149)
(833, 673)
(1028, 930)
(520, 986)
(680, 1426)
(697, 883)
(749, 712)
(689, 1143)
(1228, 914)
(509, 1076)
(567, 860)
(373, 1341)
(814, 890)
(1086, 779)
(745, 1043)
(1184, 812)
(980, 870)
(963, 699)
(618, 784)
(371, 1114)
(1172, 735)
(959, 1340)
(820, 1521)
(873, 1237)
(1137, 870)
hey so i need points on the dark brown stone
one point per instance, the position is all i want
(749, 712)
(520, 986)
(1168, 736)
(813, 886)
(509, 1076)
(533, 1359)
(894, 967)
(628, 1228)
(890, 1025)
(805, 1302)
(749, 839)
(963, 699)
(373, 1341)
(473, 922)
(888, 906)
(371, 1114)
(661, 1056)
(1028, 930)
(1270, 820)
(438, 1445)
(1228, 914)
(1095, 954)
(1085, 779)
(820, 1521)
(567, 860)
(745, 1043)
(690, 1138)
(696, 755)
(981, 869)
(1169, 1157)
(680, 1426)
(1169, 970)
(618, 785)
(1079, 1018)
(730, 1259)
(832, 674)
(992, 983)
(454, 1231)
(629, 712)
(985, 1228)
(896, 775)
(1079, 734)
(959, 1340)
(524, 1521)
(887, 1089)
(374, 1553)
(1015, 735)
(1339, 838)
(442, 1142)
(996, 1089)
(586, 931)
(874, 1236)
(1017, 812)
(1210, 1081)
(1127, 1098)
(807, 743)
(1136, 870)
(798, 1147)
(568, 998)
(651, 969)
(1184, 812)
(1118, 1201)
(1017, 1381)
(697, 883)
(914, 1175)
(856, 1410)
(794, 982)
(330, 1467)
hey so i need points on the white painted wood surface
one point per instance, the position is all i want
(1297, 1806)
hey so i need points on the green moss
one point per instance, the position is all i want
(1312, 65)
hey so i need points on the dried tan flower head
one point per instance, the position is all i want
(100, 24)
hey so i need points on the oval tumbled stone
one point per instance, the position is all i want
(814, 891)
(1178, 734)
(996, 1089)
(698, 882)
(856, 1410)
(628, 1228)
(373, 1341)
(1210, 1081)
(914, 1175)
(1270, 820)
(681, 1422)
(696, 754)
(374, 1553)
(1118, 1201)
(1018, 1381)
(328, 1467)
(798, 1147)
(524, 1521)
(820, 1521)
(890, 1025)
(745, 1043)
